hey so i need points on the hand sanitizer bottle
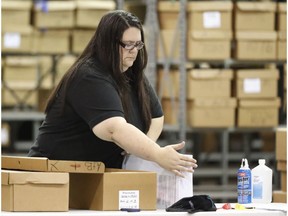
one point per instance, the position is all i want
(262, 183)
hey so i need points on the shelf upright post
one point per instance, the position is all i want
(182, 24)
(119, 4)
(151, 30)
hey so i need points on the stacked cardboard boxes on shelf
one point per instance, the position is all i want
(73, 184)
(255, 33)
(281, 157)
(257, 91)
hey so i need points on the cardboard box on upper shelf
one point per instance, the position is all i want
(281, 16)
(255, 45)
(258, 112)
(257, 83)
(54, 14)
(89, 13)
(16, 13)
(210, 15)
(168, 14)
(254, 16)
(209, 83)
(209, 45)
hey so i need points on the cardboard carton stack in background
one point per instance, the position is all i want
(281, 157)
(257, 91)
(209, 30)
(254, 28)
(281, 27)
(209, 101)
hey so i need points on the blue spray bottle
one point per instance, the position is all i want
(244, 183)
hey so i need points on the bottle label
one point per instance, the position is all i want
(244, 186)
(257, 187)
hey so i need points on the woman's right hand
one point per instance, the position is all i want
(173, 161)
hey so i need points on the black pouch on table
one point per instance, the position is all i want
(193, 204)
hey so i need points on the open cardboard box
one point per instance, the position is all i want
(93, 187)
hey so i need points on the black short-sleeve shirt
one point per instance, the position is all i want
(92, 97)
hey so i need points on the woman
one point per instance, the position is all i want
(104, 106)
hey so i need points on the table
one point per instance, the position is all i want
(270, 210)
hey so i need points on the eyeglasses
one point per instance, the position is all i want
(139, 45)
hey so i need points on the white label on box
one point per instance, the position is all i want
(129, 199)
(252, 85)
(212, 19)
(12, 40)
(4, 136)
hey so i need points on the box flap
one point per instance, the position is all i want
(259, 35)
(282, 35)
(16, 5)
(260, 103)
(45, 165)
(256, 6)
(25, 30)
(282, 7)
(58, 33)
(4, 177)
(24, 177)
(210, 6)
(213, 34)
(168, 6)
(20, 61)
(92, 5)
(257, 73)
(214, 102)
(210, 74)
(56, 6)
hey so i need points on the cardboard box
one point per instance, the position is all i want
(168, 14)
(168, 83)
(209, 45)
(80, 39)
(281, 164)
(168, 45)
(52, 42)
(210, 15)
(211, 112)
(258, 112)
(62, 66)
(113, 189)
(281, 16)
(279, 197)
(283, 181)
(17, 39)
(21, 72)
(89, 13)
(252, 45)
(45, 165)
(209, 83)
(282, 45)
(23, 191)
(281, 144)
(257, 83)
(19, 98)
(171, 111)
(16, 13)
(54, 14)
(45, 67)
(255, 16)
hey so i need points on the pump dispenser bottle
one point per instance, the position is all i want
(262, 183)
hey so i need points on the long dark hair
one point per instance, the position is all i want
(104, 46)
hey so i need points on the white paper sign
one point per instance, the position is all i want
(12, 40)
(212, 19)
(129, 199)
(252, 85)
(4, 136)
